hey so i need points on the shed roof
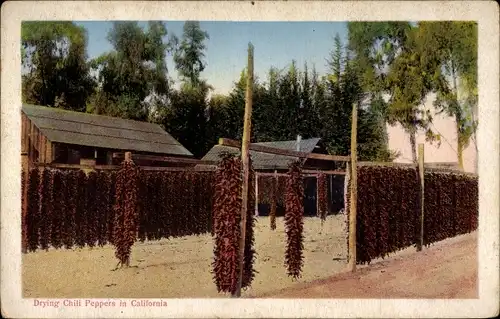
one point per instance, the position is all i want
(86, 129)
(265, 160)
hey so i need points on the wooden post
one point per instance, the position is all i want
(128, 156)
(273, 200)
(347, 198)
(422, 211)
(317, 197)
(245, 159)
(354, 190)
(256, 195)
(347, 189)
(26, 168)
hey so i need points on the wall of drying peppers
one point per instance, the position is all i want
(68, 208)
(388, 209)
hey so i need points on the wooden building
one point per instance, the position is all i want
(52, 135)
(266, 163)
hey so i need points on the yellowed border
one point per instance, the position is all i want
(486, 13)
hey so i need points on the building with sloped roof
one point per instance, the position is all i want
(271, 162)
(53, 135)
(265, 162)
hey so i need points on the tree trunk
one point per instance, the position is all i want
(458, 119)
(460, 156)
(460, 144)
(475, 157)
(413, 143)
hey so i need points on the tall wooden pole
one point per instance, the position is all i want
(421, 173)
(317, 196)
(25, 181)
(256, 195)
(245, 160)
(354, 190)
(347, 199)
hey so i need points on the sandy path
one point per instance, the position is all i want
(180, 267)
(445, 270)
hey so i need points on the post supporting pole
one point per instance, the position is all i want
(354, 190)
(25, 181)
(421, 173)
(256, 195)
(246, 169)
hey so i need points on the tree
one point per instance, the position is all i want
(309, 118)
(289, 102)
(391, 64)
(189, 57)
(186, 117)
(271, 108)
(133, 71)
(156, 50)
(449, 50)
(54, 54)
(408, 89)
(218, 118)
(345, 88)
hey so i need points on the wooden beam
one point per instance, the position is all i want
(270, 174)
(306, 173)
(245, 157)
(180, 169)
(428, 167)
(31, 142)
(329, 172)
(421, 173)
(390, 164)
(327, 157)
(43, 149)
(116, 167)
(167, 159)
(24, 135)
(354, 190)
(284, 152)
(263, 148)
(50, 152)
(78, 166)
(25, 181)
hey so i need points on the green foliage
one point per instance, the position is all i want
(54, 53)
(134, 70)
(386, 68)
(305, 105)
(408, 62)
(450, 51)
(189, 57)
(186, 117)
(392, 63)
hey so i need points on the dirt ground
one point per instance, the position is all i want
(446, 270)
(180, 268)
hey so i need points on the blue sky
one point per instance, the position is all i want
(275, 44)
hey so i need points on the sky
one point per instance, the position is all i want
(275, 44)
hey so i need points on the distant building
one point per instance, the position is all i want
(52, 135)
(265, 162)
(442, 155)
